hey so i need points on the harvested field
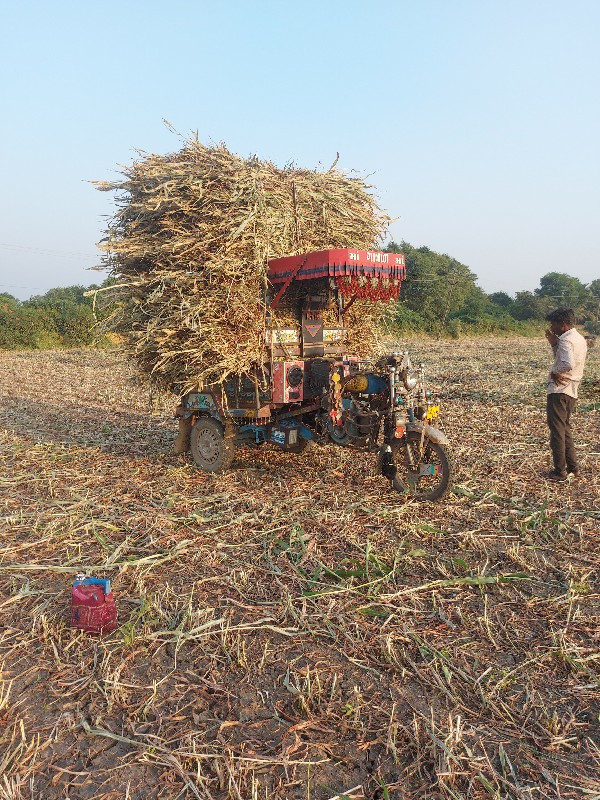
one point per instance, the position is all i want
(293, 630)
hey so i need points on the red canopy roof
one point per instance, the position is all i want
(337, 263)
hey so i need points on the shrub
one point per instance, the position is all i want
(593, 328)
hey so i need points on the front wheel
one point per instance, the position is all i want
(419, 467)
(211, 451)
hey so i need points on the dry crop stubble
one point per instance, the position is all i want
(292, 629)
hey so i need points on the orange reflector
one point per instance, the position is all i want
(399, 432)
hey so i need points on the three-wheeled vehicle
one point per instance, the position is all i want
(308, 389)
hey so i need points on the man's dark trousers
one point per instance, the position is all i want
(559, 408)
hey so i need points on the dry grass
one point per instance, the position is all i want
(189, 246)
(292, 629)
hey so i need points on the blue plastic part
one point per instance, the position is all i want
(376, 384)
(306, 433)
(93, 581)
(259, 431)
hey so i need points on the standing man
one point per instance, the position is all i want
(570, 349)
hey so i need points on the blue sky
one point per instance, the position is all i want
(478, 122)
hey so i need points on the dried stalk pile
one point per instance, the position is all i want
(189, 246)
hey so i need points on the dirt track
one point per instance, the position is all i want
(293, 629)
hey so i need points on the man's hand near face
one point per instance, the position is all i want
(552, 338)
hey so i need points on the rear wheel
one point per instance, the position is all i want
(419, 467)
(211, 451)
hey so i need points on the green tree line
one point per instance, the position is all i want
(63, 317)
(440, 296)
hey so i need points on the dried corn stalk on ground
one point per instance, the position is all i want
(293, 629)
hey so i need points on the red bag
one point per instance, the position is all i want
(93, 607)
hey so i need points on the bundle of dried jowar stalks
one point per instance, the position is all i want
(189, 245)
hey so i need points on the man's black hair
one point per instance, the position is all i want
(562, 315)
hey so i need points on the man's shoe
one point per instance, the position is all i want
(574, 472)
(553, 475)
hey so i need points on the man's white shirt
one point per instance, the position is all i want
(569, 360)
